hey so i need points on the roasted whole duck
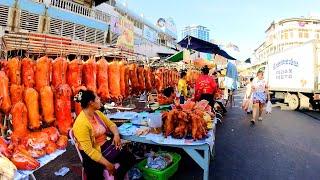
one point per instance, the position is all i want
(47, 104)
(74, 74)
(52, 132)
(14, 67)
(43, 72)
(23, 160)
(90, 74)
(63, 108)
(123, 83)
(4, 148)
(31, 98)
(16, 93)
(19, 114)
(133, 75)
(114, 80)
(4, 93)
(59, 71)
(102, 80)
(62, 142)
(27, 71)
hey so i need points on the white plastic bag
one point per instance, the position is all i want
(269, 107)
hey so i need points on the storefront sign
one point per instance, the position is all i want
(126, 38)
(115, 25)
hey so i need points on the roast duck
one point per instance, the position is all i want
(4, 93)
(27, 71)
(14, 69)
(133, 77)
(114, 80)
(74, 74)
(102, 80)
(31, 98)
(63, 108)
(59, 71)
(47, 104)
(43, 72)
(90, 74)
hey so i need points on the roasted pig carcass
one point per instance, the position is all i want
(47, 104)
(141, 78)
(4, 93)
(16, 93)
(14, 67)
(123, 80)
(62, 142)
(148, 77)
(43, 72)
(74, 74)
(90, 74)
(23, 160)
(63, 108)
(59, 71)
(19, 114)
(31, 98)
(52, 132)
(51, 147)
(102, 80)
(114, 80)
(133, 76)
(4, 148)
(159, 80)
(27, 71)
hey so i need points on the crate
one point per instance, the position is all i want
(152, 174)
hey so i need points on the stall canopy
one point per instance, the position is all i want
(199, 45)
(176, 57)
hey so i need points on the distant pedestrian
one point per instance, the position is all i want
(259, 96)
(182, 87)
(247, 96)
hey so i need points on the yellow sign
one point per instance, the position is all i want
(126, 39)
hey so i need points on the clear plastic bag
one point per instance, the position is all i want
(269, 107)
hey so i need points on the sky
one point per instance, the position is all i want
(241, 22)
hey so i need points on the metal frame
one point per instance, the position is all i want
(191, 150)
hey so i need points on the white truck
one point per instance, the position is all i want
(294, 76)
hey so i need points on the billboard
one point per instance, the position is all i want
(126, 38)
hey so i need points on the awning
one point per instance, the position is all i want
(199, 45)
(176, 57)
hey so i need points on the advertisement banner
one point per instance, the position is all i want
(150, 34)
(115, 25)
(126, 38)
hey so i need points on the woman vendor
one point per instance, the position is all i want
(98, 150)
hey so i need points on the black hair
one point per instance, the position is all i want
(168, 91)
(251, 79)
(205, 70)
(183, 74)
(260, 71)
(84, 97)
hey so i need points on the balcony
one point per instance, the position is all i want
(78, 9)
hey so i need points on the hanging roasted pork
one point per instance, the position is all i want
(74, 74)
(141, 79)
(19, 114)
(134, 82)
(4, 93)
(90, 74)
(43, 72)
(102, 80)
(27, 71)
(31, 98)
(16, 93)
(148, 77)
(59, 71)
(14, 67)
(47, 104)
(63, 108)
(114, 80)
(123, 79)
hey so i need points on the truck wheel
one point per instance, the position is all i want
(294, 102)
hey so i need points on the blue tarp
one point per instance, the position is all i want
(200, 45)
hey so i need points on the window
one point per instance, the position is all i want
(306, 35)
(300, 34)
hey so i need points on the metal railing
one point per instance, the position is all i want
(79, 9)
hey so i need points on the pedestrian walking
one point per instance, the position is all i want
(259, 96)
(182, 87)
(247, 100)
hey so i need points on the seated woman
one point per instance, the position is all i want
(167, 97)
(91, 129)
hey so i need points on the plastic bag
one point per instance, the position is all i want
(269, 107)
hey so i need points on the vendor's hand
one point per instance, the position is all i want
(117, 141)
(111, 169)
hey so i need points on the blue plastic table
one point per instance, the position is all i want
(191, 150)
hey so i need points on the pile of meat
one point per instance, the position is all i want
(187, 119)
(24, 151)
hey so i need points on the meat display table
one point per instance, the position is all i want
(189, 146)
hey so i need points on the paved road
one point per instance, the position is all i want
(285, 145)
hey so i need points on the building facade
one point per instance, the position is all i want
(287, 33)
(200, 32)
